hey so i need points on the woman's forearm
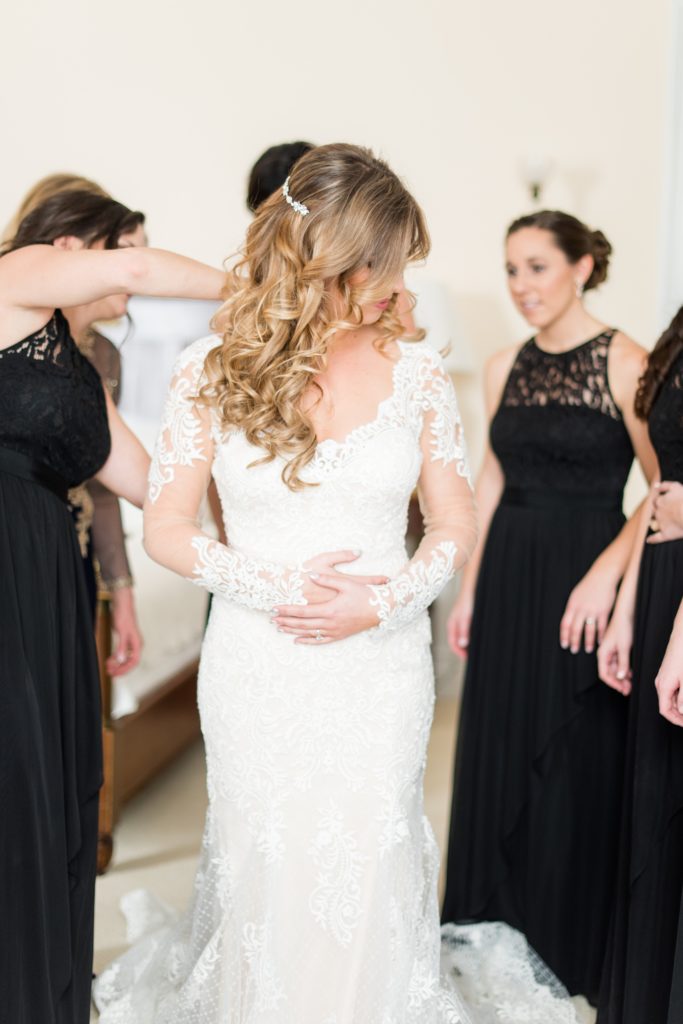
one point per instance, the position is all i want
(615, 559)
(626, 599)
(162, 273)
(487, 494)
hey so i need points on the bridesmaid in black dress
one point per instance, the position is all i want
(638, 977)
(57, 428)
(539, 762)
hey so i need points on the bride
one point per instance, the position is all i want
(315, 900)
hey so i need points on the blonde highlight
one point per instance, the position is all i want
(280, 310)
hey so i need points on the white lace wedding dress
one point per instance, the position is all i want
(316, 896)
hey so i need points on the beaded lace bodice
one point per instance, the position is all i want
(558, 426)
(52, 405)
(665, 424)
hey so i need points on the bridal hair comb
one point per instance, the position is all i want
(297, 207)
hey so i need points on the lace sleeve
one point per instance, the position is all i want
(446, 502)
(178, 480)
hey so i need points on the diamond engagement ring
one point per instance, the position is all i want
(318, 635)
(590, 621)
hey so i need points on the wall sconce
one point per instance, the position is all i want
(535, 172)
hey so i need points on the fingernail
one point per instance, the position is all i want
(462, 641)
(280, 629)
(564, 646)
(314, 575)
(356, 551)
(274, 611)
(575, 650)
(621, 675)
(589, 650)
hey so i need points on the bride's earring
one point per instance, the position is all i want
(579, 289)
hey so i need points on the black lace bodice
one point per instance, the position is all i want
(52, 405)
(666, 424)
(558, 427)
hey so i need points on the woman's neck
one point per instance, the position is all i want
(569, 330)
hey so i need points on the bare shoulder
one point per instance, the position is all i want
(498, 366)
(627, 351)
(626, 362)
(17, 323)
(496, 372)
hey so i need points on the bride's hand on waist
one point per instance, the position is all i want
(338, 605)
(316, 593)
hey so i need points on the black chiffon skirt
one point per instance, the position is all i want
(50, 762)
(539, 762)
(643, 978)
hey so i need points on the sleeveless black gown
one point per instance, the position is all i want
(53, 435)
(539, 762)
(641, 982)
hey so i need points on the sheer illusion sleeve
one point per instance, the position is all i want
(108, 538)
(178, 481)
(106, 530)
(446, 502)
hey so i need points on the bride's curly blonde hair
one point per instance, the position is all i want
(284, 295)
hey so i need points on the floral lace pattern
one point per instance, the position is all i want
(255, 585)
(336, 900)
(184, 442)
(180, 439)
(52, 404)
(316, 900)
(578, 377)
(558, 426)
(410, 593)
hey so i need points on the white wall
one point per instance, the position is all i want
(167, 104)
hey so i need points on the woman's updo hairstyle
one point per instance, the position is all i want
(574, 238)
(271, 169)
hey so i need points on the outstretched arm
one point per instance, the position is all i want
(45, 277)
(37, 279)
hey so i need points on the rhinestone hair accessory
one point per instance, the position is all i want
(297, 207)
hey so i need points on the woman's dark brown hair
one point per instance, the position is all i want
(659, 363)
(83, 214)
(573, 238)
(271, 169)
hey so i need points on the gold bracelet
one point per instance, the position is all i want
(120, 583)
